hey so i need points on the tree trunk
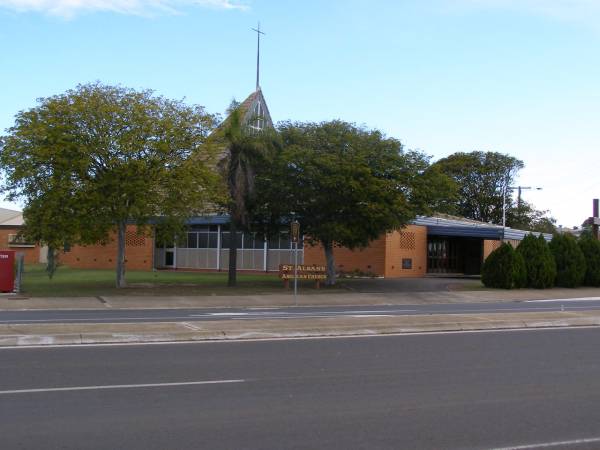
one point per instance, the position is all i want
(121, 255)
(328, 246)
(232, 278)
(51, 261)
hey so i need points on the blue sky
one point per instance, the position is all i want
(515, 76)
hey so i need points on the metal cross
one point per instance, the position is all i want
(258, 33)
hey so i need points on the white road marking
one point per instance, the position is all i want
(117, 386)
(191, 327)
(551, 444)
(361, 316)
(221, 314)
(381, 311)
(90, 319)
(550, 300)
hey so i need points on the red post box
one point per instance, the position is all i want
(7, 270)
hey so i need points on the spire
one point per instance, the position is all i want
(258, 33)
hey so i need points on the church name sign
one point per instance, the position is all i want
(311, 272)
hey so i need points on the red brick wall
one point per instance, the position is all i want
(490, 245)
(383, 256)
(408, 243)
(32, 254)
(138, 253)
(368, 260)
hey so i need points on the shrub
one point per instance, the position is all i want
(504, 268)
(539, 262)
(590, 248)
(569, 260)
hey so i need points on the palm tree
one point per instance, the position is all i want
(246, 149)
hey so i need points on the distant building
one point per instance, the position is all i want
(11, 222)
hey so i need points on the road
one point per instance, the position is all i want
(169, 315)
(443, 391)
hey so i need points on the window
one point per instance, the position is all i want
(192, 240)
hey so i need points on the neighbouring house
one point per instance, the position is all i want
(11, 222)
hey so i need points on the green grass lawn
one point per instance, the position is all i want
(69, 282)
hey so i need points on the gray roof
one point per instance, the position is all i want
(449, 226)
(10, 217)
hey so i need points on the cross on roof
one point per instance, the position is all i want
(258, 33)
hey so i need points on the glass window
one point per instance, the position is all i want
(284, 241)
(259, 241)
(213, 240)
(202, 240)
(192, 240)
(225, 239)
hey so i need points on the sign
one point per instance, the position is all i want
(295, 231)
(312, 272)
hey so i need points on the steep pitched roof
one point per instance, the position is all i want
(9, 217)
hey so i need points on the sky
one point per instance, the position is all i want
(514, 76)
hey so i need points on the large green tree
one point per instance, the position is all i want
(346, 185)
(90, 161)
(481, 179)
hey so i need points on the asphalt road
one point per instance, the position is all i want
(169, 315)
(490, 390)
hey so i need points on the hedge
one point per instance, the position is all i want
(539, 262)
(504, 268)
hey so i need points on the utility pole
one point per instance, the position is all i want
(595, 220)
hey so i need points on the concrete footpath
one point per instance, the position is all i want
(18, 302)
(99, 333)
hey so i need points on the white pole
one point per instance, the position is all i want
(296, 273)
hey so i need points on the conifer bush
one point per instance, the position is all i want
(569, 260)
(539, 262)
(590, 248)
(504, 268)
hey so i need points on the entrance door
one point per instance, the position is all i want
(169, 257)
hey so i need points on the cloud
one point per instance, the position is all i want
(71, 8)
(571, 10)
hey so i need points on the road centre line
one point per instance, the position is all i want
(90, 319)
(291, 315)
(551, 444)
(117, 386)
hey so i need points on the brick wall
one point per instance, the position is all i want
(138, 253)
(367, 260)
(408, 243)
(489, 246)
(32, 254)
(383, 257)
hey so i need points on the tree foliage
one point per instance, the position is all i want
(539, 262)
(504, 268)
(246, 150)
(590, 248)
(346, 185)
(94, 159)
(481, 178)
(569, 260)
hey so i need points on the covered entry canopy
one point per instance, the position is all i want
(459, 227)
(456, 245)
